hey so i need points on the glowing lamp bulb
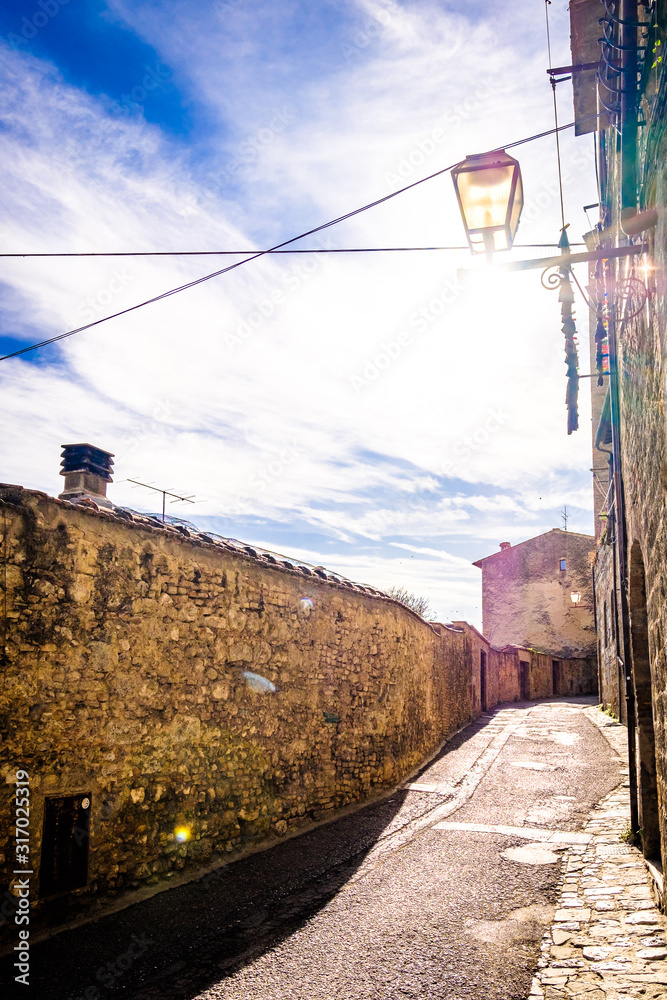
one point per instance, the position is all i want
(182, 833)
(490, 196)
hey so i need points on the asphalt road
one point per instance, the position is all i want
(403, 899)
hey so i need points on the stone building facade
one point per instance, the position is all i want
(628, 286)
(527, 592)
(178, 700)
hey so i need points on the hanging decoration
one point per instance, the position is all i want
(597, 303)
(602, 351)
(629, 298)
(566, 299)
(559, 277)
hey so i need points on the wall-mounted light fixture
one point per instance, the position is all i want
(489, 190)
(490, 194)
(575, 597)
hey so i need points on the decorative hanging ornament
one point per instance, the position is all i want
(566, 299)
(600, 338)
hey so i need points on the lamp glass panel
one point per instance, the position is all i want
(517, 205)
(500, 240)
(485, 195)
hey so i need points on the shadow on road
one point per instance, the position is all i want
(181, 941)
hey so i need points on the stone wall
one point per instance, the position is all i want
(546, 676)
(509, 683)
(611, 683)
(641, 338)
(476, 646)
(183, 685)
(198, 689)
(577, 676)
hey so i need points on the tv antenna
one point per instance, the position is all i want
(165, 494)
(564, 514)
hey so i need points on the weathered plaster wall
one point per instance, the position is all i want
(578, 676)
(475, 645)
(612, 693)
(540, 676)
(526, 597)
(574, 675)
(509, 685)
(128, 648)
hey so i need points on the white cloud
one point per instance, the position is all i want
(207, 390)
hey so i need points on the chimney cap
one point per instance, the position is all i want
(505, 545)
(84, 457)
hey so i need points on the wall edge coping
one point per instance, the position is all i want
(249, 553)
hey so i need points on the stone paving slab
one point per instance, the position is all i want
(525, 832)
(608, 939)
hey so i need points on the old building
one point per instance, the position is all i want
(623, 106)
(539, 594)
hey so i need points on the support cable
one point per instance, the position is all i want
(274, 249)
(547, 4)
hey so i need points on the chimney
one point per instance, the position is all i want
(87, 470)
(505, 545)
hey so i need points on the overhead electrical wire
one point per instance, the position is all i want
(271, 250)
(235, 253)
(547, 4)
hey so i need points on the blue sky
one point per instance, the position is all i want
(367, 412)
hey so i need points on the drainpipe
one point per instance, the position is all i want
(628, 14)
(628, 11)
(598, 644)
(621, 550)
(618, 628)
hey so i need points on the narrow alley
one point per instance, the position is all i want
(443, 890)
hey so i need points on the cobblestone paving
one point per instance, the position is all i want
(607, 941)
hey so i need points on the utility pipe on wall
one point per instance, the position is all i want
(628, 14)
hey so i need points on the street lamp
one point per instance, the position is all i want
(490, 195)
(575, 597)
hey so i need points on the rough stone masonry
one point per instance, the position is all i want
(201, 698)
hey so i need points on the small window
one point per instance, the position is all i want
(562, 565)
